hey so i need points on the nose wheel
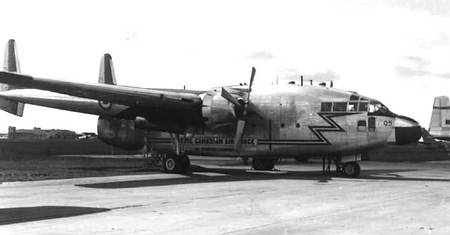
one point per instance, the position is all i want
(349, 169)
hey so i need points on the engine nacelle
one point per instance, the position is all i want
(217, 111)
(120, 133)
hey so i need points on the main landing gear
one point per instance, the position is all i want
(349, 169)
(347, 166)
(173, 163)
(177, 162)
(263, 164)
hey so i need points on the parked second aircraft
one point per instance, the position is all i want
(438, 134)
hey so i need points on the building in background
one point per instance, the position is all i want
(38, 133)
(48, 142)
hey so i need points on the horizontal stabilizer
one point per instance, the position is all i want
(12, 107)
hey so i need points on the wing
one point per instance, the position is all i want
(157, 105)
(168, 108)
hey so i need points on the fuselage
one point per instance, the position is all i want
(289, 121)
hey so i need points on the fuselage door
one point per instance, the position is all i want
(289, 127)
(372, 124)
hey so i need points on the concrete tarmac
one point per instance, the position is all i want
(388, 198)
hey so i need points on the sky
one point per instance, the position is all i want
(395, 51)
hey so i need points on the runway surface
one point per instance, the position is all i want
(388, 198)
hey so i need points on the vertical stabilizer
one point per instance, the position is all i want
(440, 118)
(106, 75)
(11, 64)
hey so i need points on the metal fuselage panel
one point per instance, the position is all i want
(291, 124)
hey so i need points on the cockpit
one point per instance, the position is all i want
(376, 107)
(357, 104)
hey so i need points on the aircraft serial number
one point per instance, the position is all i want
(387, 123)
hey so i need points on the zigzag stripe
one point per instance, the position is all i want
(316, 130)
(334, 127)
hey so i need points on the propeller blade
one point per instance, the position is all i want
(252, 77)
(241, 118)
(241, 121)
(227, 95)
(239, 131)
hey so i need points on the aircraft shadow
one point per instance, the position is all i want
(27, 214)
(233, 175)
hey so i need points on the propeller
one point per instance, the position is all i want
(241, 107)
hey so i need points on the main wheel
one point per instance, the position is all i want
(302, 159)
(185, 163)
(171, 163)
(263, 163)
(351, 169)
(176, 164)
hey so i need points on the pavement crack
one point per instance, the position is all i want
(125, 207)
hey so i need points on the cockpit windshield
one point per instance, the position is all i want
(376, 107)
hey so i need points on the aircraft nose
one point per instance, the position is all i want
(407, 130)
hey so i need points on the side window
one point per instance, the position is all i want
(372, 124)
(352, 107)
(340, 107)
(354, 97)
(361, 126)
(325, 107)
(447, 122)
(363, 106)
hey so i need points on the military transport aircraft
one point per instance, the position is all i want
(263, 122)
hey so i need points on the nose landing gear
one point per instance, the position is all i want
(348, 169)
(347, 166)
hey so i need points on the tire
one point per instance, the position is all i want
(302, 159)
(171, 163)
(263, 163)
(176, 164)
(351, 169)
(185, 163)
